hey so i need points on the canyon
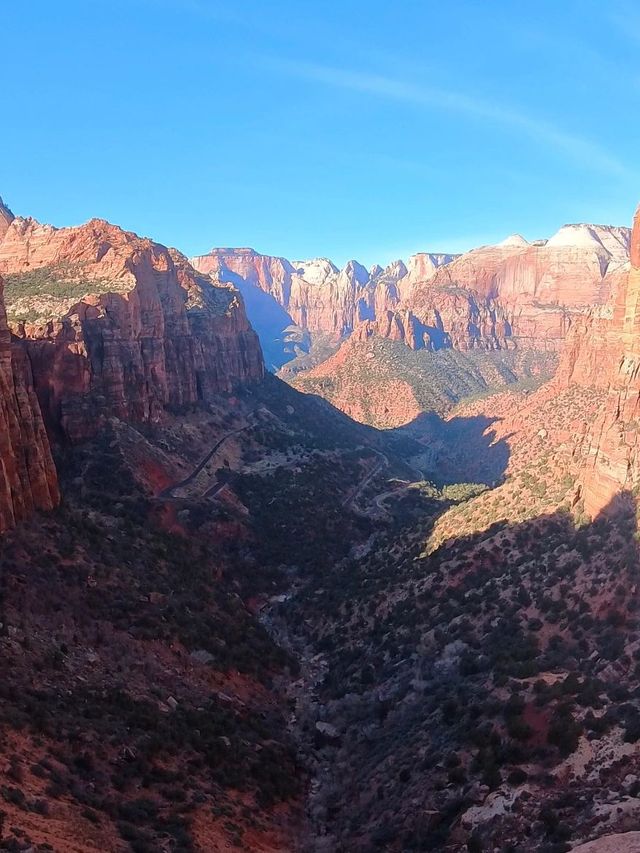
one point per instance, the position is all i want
(235, 617)
(506, 308)
(491, 297)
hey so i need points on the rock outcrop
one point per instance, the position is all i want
(603, 351)
(117, 325)
(441, 318)
(6, 218)
(622, 842)
(27, 474)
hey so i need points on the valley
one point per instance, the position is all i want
(388, 604)
(426, 333)
(319, 427)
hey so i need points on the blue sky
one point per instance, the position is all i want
(345, 129)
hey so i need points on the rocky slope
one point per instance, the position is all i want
(117, 325)
(27, 474)
(470, 679)
(137, 709)
(379, 381)
(157, 716)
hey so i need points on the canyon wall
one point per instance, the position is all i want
(543, 287)
(441, 318)
(603, 351)
(117, 325)
(496, 297)
(27, 473)
(315, 294)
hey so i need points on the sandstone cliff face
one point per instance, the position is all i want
(27, 473)
(439, 318)
(542, 287)
(494, 297)
(603, 351)
(315, 294)
(117, 325)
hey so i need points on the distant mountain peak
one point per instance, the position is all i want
(6, 218)
(514, 240)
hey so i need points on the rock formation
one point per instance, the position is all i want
(117, 325)
(542, 286)
(603, 351)
(27, 473)
(440, 318)
(315, 294)
(6, 218)
(494, 297)
(622, 842)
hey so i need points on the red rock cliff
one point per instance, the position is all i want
(603, 350)
(117, 325)
(440, 317)
(543, 287)
(316, 295)
(495, 296)
(27, 473)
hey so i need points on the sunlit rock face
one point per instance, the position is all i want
(514, 293)
(603, 351)
(117, 325)
(315, 294)
(541, 287)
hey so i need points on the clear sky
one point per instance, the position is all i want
(340, 128)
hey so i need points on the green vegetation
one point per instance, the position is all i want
(485, 657)
(438, 379)
(137, 638)
(64, 281)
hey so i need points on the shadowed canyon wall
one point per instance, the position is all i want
(27, 474)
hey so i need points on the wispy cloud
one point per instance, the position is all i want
(570, 145)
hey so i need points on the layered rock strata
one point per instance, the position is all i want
(603, 351)
(117, 325)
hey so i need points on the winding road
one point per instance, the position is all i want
(211, 492)
(350, 499)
